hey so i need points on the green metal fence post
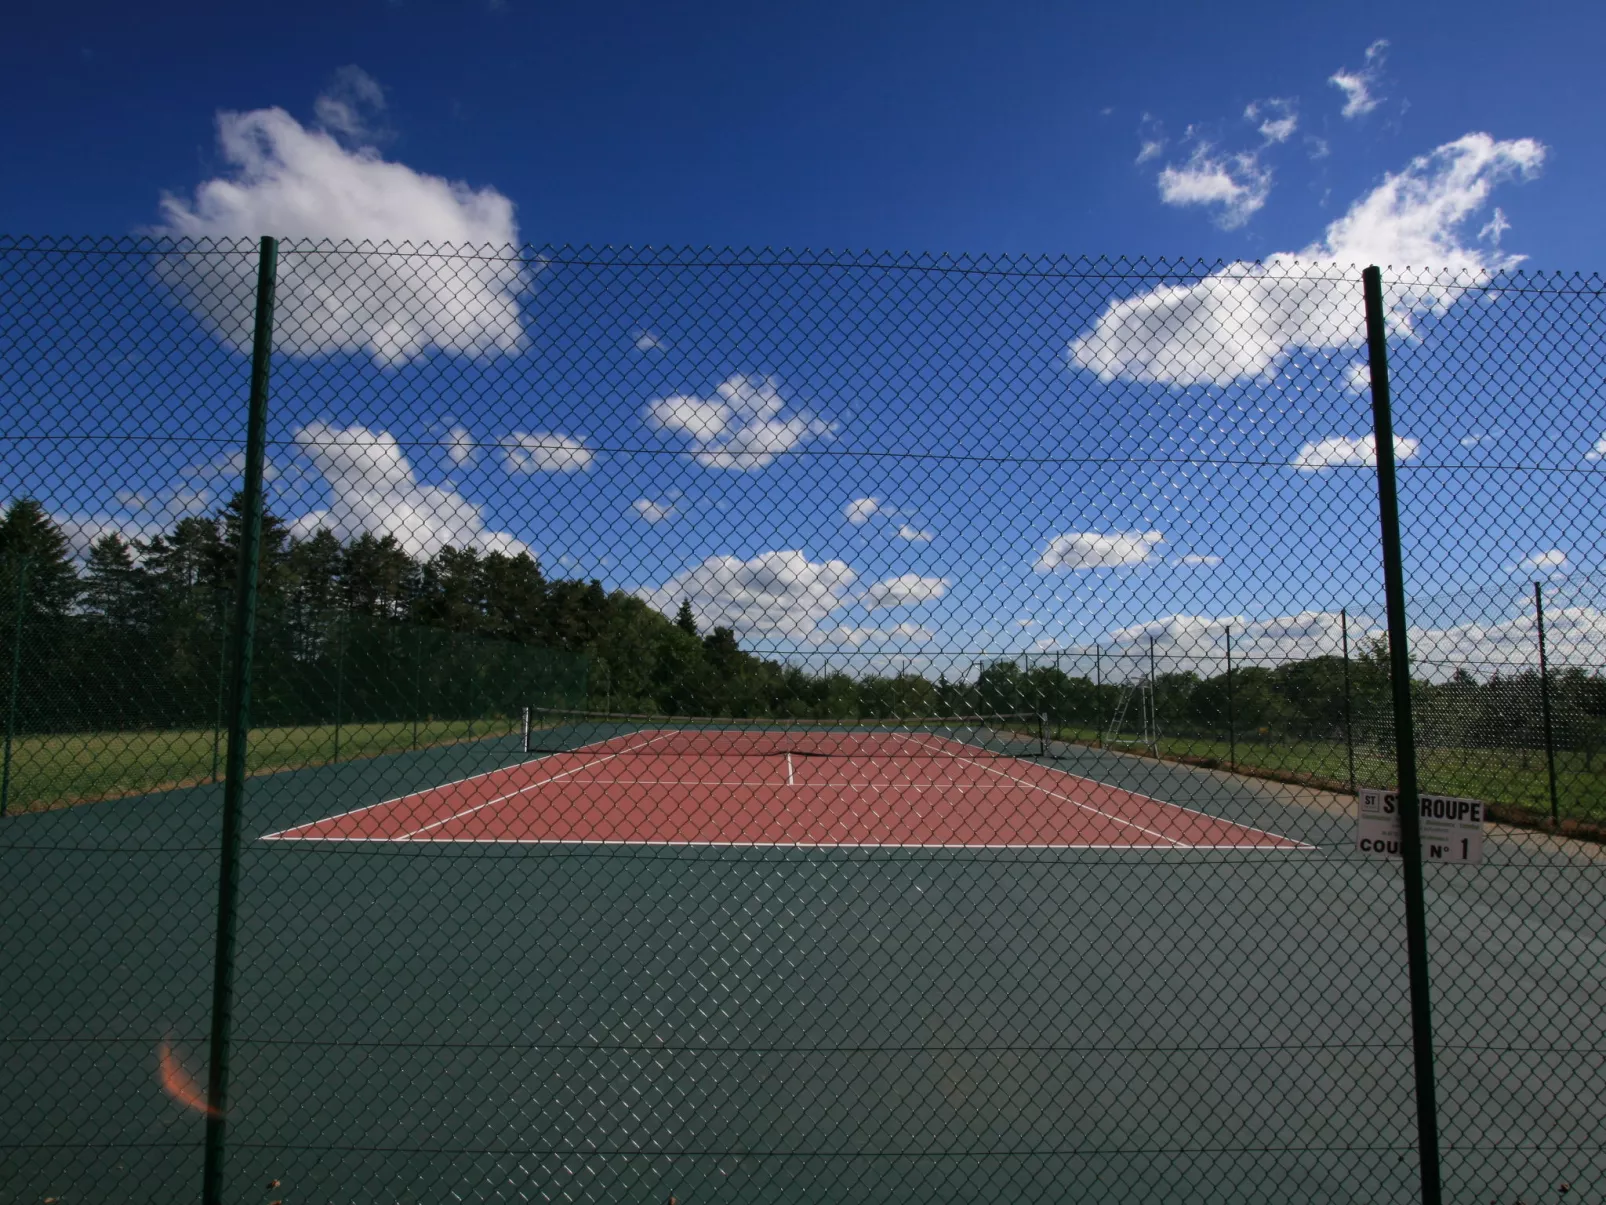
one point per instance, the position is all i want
(418, 680)
(1416, 934)
(16, 677)
(245, 600)
(1098, 692)
(1349, 725)
(1232, 726)
(1544, 705)
(340, 676)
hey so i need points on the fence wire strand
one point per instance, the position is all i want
(744, 725)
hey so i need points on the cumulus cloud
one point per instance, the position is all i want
(1237, 185)
(744, 427)
(860, 510)
(774, 594)
(915, 535)
(1552, 561)
(351, 106)
(459, 445)
(1194, 558)
(1096, 550)
(1574, 635)
(370, 299)
(647, 341)
(1199, 642)
(903, 633)
(1275, 117)
(373, 489)
(654, 512)
(1359, 86)
(1245, 320)
(1598, 452)
(907, 590)
(1342, 451)
(546, 452)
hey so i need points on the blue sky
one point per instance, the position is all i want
(615, 436)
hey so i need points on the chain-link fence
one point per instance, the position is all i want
(607, 725)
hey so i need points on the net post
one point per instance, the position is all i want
(1042, 734)
(234, 775)
(1416, 935)
(524, 725)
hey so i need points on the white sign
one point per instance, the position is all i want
(1452, 828)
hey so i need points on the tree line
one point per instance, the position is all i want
(134, 636)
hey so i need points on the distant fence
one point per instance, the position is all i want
(1248, 537)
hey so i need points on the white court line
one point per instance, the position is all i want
(789, 779)
(530, 786)
(886, 845)
(456, 782)
(1165, 803)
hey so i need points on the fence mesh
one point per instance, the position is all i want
(1032, 619)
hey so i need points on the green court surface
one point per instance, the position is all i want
(485, 1022)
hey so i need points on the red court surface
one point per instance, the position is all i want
(894, 790)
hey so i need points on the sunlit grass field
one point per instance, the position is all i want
(1513, 777)
(57, 771)
(61, 770)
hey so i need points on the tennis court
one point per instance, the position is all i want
(704, 783)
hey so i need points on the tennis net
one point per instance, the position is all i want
(555, 730)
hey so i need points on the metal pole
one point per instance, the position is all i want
(1416, 930)
(418, 681)
(1544, 705)
(1153, 725)
(245, 600)
(340, 677)
(1232, 727)
(1349, 726)
(1098, 691)
(16, 677)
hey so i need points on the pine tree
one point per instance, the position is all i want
(28, 536)
(684, 619)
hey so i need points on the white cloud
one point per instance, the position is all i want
(907, 590)
(654, 512)
(376, 301)
(349, 108)
(1094, 550)
(1200, 559)
(1574, 635)
(775, 594)
(1151, 148)
(1199, 642)
(1552, 561)
(859, 511)
(915, 535)
(1275, 117)
(1238, 184)
(373, 489)
(647, 341)
(1245, 320)
(743, 428)
(546, 452)
(459, 445)
(1598, 452)
(903, 633)
(1359, 86)
(1358, 378)
(1340, 451)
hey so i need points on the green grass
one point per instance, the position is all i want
(1498, 776)
(57, 771)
